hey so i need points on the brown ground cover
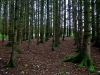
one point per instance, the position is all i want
(41, 60)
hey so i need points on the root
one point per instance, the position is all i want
(12, 64)
(83, 60)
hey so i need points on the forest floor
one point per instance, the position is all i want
(41, 60)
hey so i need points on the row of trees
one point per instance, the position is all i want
(22, 20)
(85, 18)
(42, 19)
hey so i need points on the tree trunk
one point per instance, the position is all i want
(11, 22)
(83, 57)
(48, 23)
(97, 43)
(69, 7)
(64, 31)
(27, 19)
(57, 29)
(93, 22)
(41, 22)
(12, 62)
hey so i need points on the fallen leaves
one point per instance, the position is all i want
(40, 60)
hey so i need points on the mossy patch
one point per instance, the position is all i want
(91, 68)
(19, 51)
(25, 65)
(75, 58)
(56, 45)
(82, 59)
(11, 63)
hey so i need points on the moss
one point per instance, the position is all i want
(56, 45)
(91, 69)
(75, 59)
(11, 63)
(82, 59)
(81, 64)
(25, 65)
(19, 51)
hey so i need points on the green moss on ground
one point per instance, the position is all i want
(56, 45)
(82, 59)
(19, 51)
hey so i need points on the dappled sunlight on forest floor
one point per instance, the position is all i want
(41, 60)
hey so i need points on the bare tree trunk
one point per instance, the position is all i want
(12, 62)
(41, 22)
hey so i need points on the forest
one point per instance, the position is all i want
(49, 37)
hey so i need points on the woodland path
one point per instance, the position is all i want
(41, 60)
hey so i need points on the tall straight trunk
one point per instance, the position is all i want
(36, 19)
(57, 17)
(41, 22)
(69, 7)
(53, 40)
(12, 62)
(80, 26)
(59, 20)
(4, 22)
(99, 23)
(84, 57)
(32, 13)
(86, 39)
(12, 58)
(30, 24)
(97, 43)
(67, 29)
(0, 15)
(51, 18)
(48, 23)
(38, 23)
(11, 21)
(64, 31)
(93, 22)
(0, 11)
(19, 40)
(6, 25)
(24, 22)
(27, 19)
(74, 20)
